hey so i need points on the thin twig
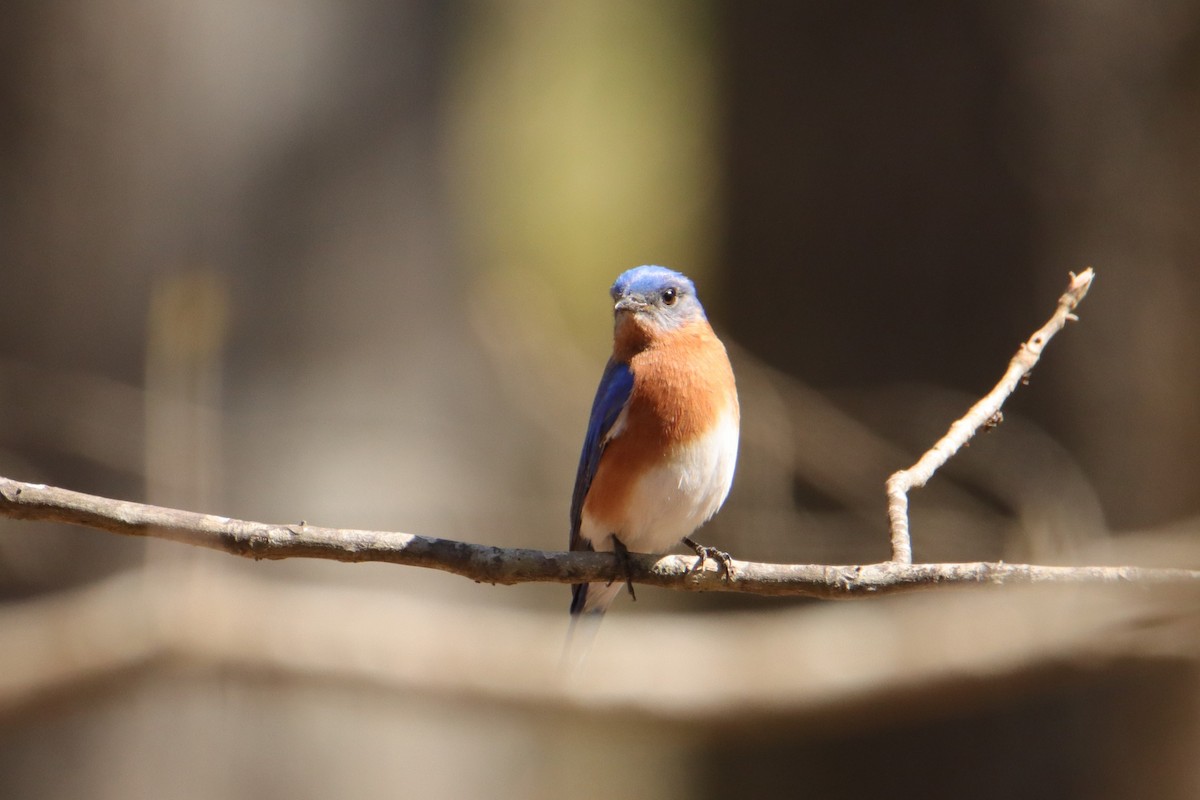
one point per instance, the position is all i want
(984, 413)
(501, 565)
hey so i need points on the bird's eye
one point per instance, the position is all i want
(669, 296)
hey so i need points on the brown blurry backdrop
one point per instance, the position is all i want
(347, 262)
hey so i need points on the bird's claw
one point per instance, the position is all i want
(705, 553)
(621, 553)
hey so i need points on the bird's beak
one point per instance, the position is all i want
(629, 304)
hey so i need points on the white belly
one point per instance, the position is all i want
(670, 501)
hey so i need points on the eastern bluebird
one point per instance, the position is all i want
(662, 437)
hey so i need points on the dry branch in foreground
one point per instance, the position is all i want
(486, 564)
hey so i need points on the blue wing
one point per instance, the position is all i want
(615, 387)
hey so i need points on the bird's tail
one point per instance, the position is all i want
(589, 601)
(581, 633)
(594, 598)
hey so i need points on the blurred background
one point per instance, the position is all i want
(347, 262)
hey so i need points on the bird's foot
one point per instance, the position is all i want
(705, 552)
(621, 553)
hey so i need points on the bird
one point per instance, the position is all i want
(662, 438)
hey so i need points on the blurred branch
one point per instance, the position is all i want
(845, 662)
(984, 413)
(486, 564)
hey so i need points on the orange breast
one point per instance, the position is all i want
(682, 383)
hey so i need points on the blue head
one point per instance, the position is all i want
(657, 297)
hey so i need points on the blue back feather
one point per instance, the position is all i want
(611, 395)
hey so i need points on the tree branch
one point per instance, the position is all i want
(486, 564)
(984, 413)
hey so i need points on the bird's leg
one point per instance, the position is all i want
(622, 555)
(705, 552)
